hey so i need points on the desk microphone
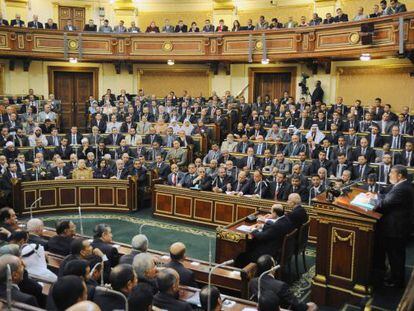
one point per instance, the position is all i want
(140, 228)
(8, 288)
(346, 188)
(228, 262)
(31, 206)
(273, 269)
(106, 290)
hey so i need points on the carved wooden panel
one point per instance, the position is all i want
(203, 210)
(29, 197)
(154, 46)
(224, 213)
(342, 253)
(244, 211)
(121, 197)
(106, 196)
(183, 206)
(67, 196)
(164, 203)
(49, 197)
(87, 196)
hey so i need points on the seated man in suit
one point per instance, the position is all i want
(298, 215)
(221, 27)
(60, 171)
(222, 182)
(90, 26)
(299, 187)
(50, 24)
(244, 144)
(272, 286)
(17, 273)
(175, 177)
(250, 162)
(208, 27)
(35, 23)
(340, 16)
(241, 186)
(267, 238)
(17, 22)
(177, 255)
(371, 184)
(60, 243)
(210, 298)
(362, 170)
(69, 26)
(316, 187)
(102, 239)
(181, 27)
(167, 299)
(123, 279)
(279, 189)
(322, 161)
(258, 187)
(214, 153)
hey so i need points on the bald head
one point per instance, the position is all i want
(84, 306)
(294, 199)
(177, 251)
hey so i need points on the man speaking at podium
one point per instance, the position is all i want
(393, 229)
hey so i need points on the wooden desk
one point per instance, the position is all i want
(212, 209)
(231, 242)
(344, 251)
(68, 194)
(229, 279)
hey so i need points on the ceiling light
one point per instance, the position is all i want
(365, 57)
(170, 62)
(265, 61)
(111, 1)
(73, 60)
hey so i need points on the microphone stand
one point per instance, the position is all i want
(228, 262)
(140, 228)
(31, 206)
(273, 269)
(80, 220)
(8, 288)
(114, 292)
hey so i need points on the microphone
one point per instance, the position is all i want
(106, 290)
(228, 262)
(8, 288)
(273, 269)
(80, 219)
(31, 206)
(140, 228)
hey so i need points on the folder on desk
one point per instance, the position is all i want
(361, 200)
(244, 228)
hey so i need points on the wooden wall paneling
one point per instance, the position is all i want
(183, 206)
(203, 210)
(121, 197)
(68, 196)
(87, 196)
(106, 196)
(224, 213)
(49, 197)
(164, 203)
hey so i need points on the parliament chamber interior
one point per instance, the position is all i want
(207, 155)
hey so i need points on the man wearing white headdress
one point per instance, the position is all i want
(316, 134)
(37, 134)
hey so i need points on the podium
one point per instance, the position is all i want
(344, 251)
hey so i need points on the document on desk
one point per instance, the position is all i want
(244, 228)
(362, 200)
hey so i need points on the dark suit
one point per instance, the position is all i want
(316, 164)
(101, 126)
(179, 178)
(108, 249)
(53, 26)
(241, 187)
(184, 28)
(64, 154)
(224, 28)
(18, 296)
(114, 172)
(242, 147)
(298, 216)
(186, 276)
(378, 142)
(4, 22)
(254, 162)
(167, 302)
(404, 158)
(210, 28)
(282, 192)
(163, 170)
(59, 244)
(108, 301)
(150, 138)
(399, 141)
(113, 140)
(54, 172)
(394, 226)
(33, 24)
(342, 18)
(260, 188)
(272, 286)
(90, 28)
(369, 153)
(361, 173)
(15, 22)
(78, 138)
(269, 240)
